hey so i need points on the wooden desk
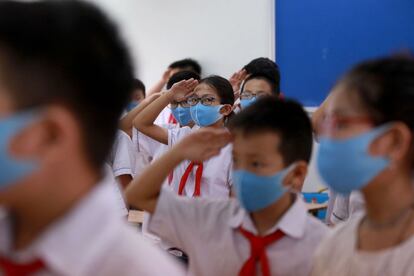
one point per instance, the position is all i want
(135, 217)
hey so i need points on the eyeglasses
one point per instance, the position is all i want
(175, 104)
(247, 95)
(205, 100)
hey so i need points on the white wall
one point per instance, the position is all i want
(222, 34)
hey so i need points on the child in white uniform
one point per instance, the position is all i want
(267, 227)
(211, 103)
(65, 78)
(367, 145)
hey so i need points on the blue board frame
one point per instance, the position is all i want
(318, 40)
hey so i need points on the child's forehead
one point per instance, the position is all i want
(204, 89)
(261, 141)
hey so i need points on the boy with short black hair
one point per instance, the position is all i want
(267, 227)
(65, 77)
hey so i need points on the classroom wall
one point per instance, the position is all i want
(222, 35)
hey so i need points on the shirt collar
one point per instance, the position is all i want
(292, 223)
(62, 246)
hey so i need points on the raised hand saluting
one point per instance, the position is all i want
(181, 90)
(203, 144)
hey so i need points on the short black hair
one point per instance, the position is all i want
(286, 118)
(264, 66)
(266, 77)
(385, 88)
(186, 64)
(68, 53)
(139, 85)
(182, 75)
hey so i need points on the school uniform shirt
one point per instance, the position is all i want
(208, 231)
(347, 206)
(123, 158)
(165, 117)
(147, 150)
(216, 180)
(338, 255)
(148, 147)
(117, 191)
(90, 239)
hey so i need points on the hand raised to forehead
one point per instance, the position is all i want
(181, 90)
(204, 144)
(237, 78)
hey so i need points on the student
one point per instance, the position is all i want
(65, 79)
(259, 65)
(267, 226)
(367, 145)
(123, 159)
(151, 148)
(187, 64)
(210, 105)
(258, 85)
(146, 148)
(138, 95)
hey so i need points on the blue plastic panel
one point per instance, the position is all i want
(318, 40)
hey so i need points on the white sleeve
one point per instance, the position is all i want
(124, 156)
(177, 218)
(117, 192)
(340, 211)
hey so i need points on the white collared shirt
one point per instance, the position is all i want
(164, 116)
(123, 158)
(147, 147)
(216, 181)
(91, 239)
(338, 255)
(207, 230)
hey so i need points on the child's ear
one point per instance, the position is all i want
(226, 109)
(394, 144)
(296, 177)
(44, 135)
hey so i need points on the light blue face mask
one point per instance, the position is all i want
(247, 102)
(182, 115)
(132, 105)
(204, 115)
(256, 192)
(12, 169)
(346, 165)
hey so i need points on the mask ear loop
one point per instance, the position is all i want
(286, 171)
(379, 131)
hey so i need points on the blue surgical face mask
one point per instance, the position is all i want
(132, 105)
(256, 192)
(246, 102)
(204, 115)
(346, 165)
(12, 169)
(182, 115)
